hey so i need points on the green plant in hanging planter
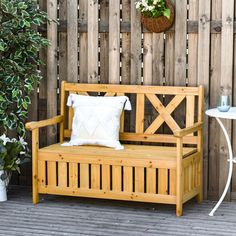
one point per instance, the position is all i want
(19, 60)
(153, 8)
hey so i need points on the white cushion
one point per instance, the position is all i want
(96, 120)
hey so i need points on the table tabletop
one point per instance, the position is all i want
(231, 114)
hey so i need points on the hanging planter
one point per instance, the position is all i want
(156, 15)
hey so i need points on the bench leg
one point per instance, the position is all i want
(179, 209)
(200, 196)
(35, 199)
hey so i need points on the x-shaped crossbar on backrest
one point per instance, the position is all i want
(164, 113)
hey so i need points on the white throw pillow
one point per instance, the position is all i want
(96, 120)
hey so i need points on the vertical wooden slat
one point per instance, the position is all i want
(190, 110)
(126, 44)
(95, 176)
(72, 46)
(104, 43)
(151, 180)
(84, 176)
(52, 70)
(63, 43)
(147, 59)
(114, 42)
(73, 175)
(128, 179)
(172, 182)
(35, 147)
(92, 41)
(193, 45)
(83, 43)
(180, 42)
(226, 81)
(62, 174)
(213, 159)
(106, 177)
(41, 173)
(135, 45)
(52, 173)
(169, 58)
(42, 102)
(203, 72)
(162, 181)
(139, 179)
(140, 113)
(186, 179)
(116, 178)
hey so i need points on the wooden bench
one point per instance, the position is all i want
(169, 173)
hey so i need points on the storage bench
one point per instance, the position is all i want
(169, 173)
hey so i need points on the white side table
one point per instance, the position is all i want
(231, 114)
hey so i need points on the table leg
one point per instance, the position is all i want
(230, 168)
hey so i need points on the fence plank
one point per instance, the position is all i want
(126, 44)
(104, 43)
(93, 41)
(135, 45)
(214, 141)
(147, 59)
(193, 45)
(226, 81)
(52, 70)
(83, 43)
(72, 31)
(203, 73)
(114, 42)
(180, 42)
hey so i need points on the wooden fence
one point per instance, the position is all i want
(102, 41)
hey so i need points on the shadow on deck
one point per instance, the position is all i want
(57, 215)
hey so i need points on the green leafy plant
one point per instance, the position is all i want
(19, 60)
(13, 153)
(153, 8)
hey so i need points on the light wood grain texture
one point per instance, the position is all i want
(93, 41)
(84, 176)
(203, 63)
(114, 42)
(52, 70)
(135, 45)
(162, 181)
(73, 175)
(226, 81)
(62, 174)
(72, 46)
(35, 147)
(214, 140)
(83, 43)
(116, 178)
(104, 43)
(139, 179)
(131, 173)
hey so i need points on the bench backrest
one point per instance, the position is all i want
(171, 108)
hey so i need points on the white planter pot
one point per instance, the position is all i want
(3, 189)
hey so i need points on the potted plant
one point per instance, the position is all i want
(13, 153)
(156, 15)
(20, 43)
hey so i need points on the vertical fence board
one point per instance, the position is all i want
(213, 152)
(203, 73)
(114, 42)
(92, 41)
(52, 70)
(72, 31)
(104, 43)
(147, 59)
(135, 45)
(226, 82)
(126, 44)
(83, 43)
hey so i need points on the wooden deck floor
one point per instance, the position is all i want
(57, 215)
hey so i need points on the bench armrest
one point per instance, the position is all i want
(43, 123)
(189, 130)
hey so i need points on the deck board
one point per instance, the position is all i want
(58, 215)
